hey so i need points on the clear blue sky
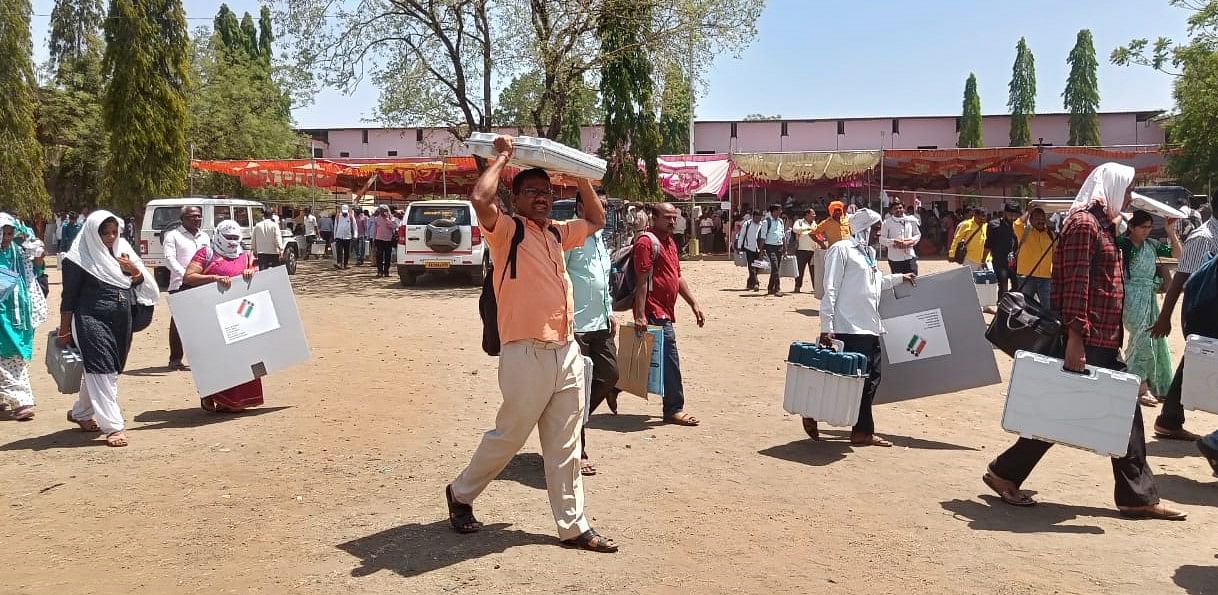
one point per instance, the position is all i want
(821, 58)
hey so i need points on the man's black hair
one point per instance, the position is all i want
(536, 172)
(775, 207)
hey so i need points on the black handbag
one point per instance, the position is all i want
(1022, 324)
(141, 317)
(961, 252)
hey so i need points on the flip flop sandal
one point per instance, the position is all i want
(85, 426)
(460, 516)
(683, 419)
(1015, 498)
(592, 541)
(1148, 401)
(1155, 514)
(871, 441)
(587, 469)
(114, 440)
(208, 404)
(24, 413)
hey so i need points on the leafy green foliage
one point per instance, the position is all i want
(676, 111)
(1082, 94)
(74, 30)
(147, 60)
(266, 34)
(627, 86)
(1195, 65)
(1022, 99)
(21, 159)
(970, 117)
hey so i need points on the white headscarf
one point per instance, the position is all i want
(223, 246)
(1107, 184)
(861, 222)
(91, 254)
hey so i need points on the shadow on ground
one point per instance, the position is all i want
(1197, 580)
(66, 438)
(899, 441)
(624, 423)
(527, 469)
(414, 549)
(165, 419)
(992, 514)
(1186, 490)
(809, 452)
(320, 278)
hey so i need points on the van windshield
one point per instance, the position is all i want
(423, 215)
(163, 217)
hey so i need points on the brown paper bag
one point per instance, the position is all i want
(633, 360)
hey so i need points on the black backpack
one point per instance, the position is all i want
(488, 305)
(621, 277)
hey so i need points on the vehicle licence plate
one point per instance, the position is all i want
(437, 264)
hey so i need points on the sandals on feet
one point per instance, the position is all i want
(592, 541)
(1178, 434)
(1007, 490)
(869, 440)
(87, 425)
(682, 418)
(24, 413)
(116, 439)
(1156, 512)
(208, 404)
(460, 516)
(1147, 401)
(587, 468)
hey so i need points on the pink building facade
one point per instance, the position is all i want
(940, 132)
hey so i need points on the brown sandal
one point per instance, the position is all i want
(869, 440)
(87, 425)
(1156, 512)
(682, 418)
(592, 541)
(116, 439)
(1007, 490)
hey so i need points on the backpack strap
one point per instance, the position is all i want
(556, 234)
(655, 254)
(517, 238)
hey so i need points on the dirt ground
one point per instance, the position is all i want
(336, 485)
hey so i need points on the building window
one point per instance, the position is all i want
(365, 131)
(317, 153)
(841, 127)
(344, 154)
(957, 124)
(928, 146)
(784, 129)
(896, 126)
(393, 153)
(733, 130)
(418, 135)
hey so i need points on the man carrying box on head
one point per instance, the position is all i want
(540, 365)
(850, 312)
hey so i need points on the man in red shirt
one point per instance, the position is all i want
(657, 305)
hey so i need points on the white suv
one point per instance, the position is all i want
(164, 213)
(441, 236)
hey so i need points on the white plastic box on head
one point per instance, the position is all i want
(1200, 388)
(1092, 411)
(541, 152)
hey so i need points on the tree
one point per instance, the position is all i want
(433, 61)
(74, 28)
(1082, 94)
(1194, 64)
(520, 105)
(970, 117)
(148, 62)
(1022, 101)
(627, 85)
(227, 27)
(266, 34)
(676, 111)
(21, 183)
(249, 36)
(236, 111)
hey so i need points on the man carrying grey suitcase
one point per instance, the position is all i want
(850, 313)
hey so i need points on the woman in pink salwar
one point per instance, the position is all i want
(219, 263)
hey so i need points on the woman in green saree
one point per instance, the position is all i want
(22, 308)
(1147, 357)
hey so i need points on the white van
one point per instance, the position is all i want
(164, 213)
(441, 236)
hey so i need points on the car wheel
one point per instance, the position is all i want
(479, 276)
(289, 260)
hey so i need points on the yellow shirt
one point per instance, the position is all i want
(976, 246)
(1031, 248)
(833, 230)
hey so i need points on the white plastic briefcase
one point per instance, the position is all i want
(1092, 411)
(830, 398)
(1200, 389)
(541, 152)
(65, 366)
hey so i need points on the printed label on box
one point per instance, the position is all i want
(916, 336)
(247, 317)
